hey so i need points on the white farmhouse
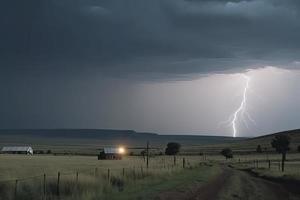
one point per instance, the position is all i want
(18, 150)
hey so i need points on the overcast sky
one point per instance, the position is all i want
(165, 66)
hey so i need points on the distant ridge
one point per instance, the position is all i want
(265, 141)
(88, 140)
(74, 133)
(291, 133)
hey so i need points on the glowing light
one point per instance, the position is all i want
(241, 107)
(121, 150)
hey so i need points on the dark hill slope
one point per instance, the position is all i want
(90, 139)
(250, 144)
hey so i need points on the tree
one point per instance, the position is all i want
(258, 149)
(281, 144)
(227, 153)
(172, 148)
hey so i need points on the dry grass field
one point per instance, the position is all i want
(70, 176)
(81, 175)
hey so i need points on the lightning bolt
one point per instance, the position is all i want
(242, 106)
(240, 112)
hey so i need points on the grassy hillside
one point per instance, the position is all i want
(250, 144)
(265, 140)
(89, 140)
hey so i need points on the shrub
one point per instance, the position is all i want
(258, 149)
(227, 153)
(173, 148)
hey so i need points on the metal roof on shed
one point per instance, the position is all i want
(16, 148)
(111, 150)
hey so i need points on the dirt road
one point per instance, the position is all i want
(232, 184)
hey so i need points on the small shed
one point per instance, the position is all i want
(18, 150)
(110, 154)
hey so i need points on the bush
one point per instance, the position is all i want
(143, 153)
(258, 149)
(38, 152)
(172, 148)
(227, 153)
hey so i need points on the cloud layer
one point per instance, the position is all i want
(116, 64)
(158, 36)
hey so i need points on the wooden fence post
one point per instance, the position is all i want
(77, 177)
(16, 189)
(269, 164)
(58, 180)
(174, 161)
(123, 172)
(147, 154)
(44, 186)
(96, 171)
(108, 174)
(142, 172)
(183, 163)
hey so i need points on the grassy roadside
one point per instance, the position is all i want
(128, 178)
(149, 188)
(292, 170)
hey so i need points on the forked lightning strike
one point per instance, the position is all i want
(241, 111)
(241, 107)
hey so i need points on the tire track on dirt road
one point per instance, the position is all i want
(232, 184)
(197, 191)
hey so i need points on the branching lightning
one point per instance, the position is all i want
(241, 108)
(240, 113)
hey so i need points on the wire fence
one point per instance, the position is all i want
(49, 186)
(68, 183)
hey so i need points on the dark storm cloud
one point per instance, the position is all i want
(141, 36)
(78, 63)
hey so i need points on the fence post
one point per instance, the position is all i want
(147, 154)
(174, 160)
(44, 186)
(96, 171)
(183, 163)
(269, 164)
(123, 172)
(108, 174)
(16, 189)
(58, 180)
(142, 172)
(77, 177)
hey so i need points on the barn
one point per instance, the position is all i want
(18, 150)
(111, 154)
